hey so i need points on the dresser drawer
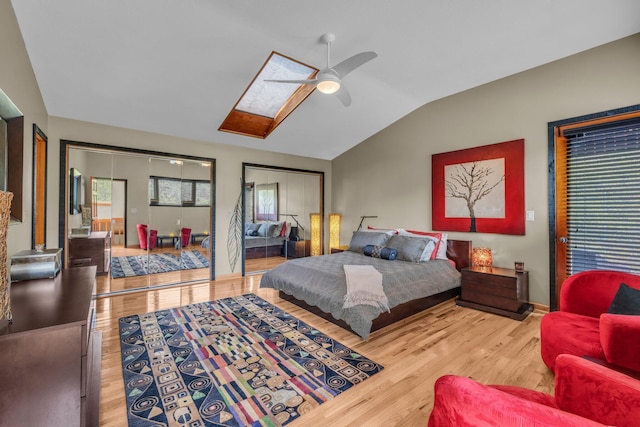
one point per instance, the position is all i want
(497, 290)
(478, 295)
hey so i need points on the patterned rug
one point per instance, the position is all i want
(231, 362)
(140, 265)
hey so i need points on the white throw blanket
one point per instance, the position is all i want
(364, 286)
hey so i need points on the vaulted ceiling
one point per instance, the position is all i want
(177, 67)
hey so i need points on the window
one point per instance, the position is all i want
(165, 191)
(264, 105)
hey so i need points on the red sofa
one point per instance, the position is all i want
(147, 239)
(583, 327)
(586, 394)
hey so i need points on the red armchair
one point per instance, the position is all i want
(186, 235)
(148, 239)
(582, 325)
(586, 394)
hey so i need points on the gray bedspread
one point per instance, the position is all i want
(320, 281)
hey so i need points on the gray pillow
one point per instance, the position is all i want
(409, 248)
(274, 229)
(263, 230)
(360, 239)
(252, 229)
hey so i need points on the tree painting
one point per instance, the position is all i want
(267, 202)
(475, 190)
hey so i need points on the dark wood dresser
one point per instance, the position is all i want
(496, 290)
(92, 250)
(50, 355)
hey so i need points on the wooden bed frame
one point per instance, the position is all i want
(263, 251)
(457, 250)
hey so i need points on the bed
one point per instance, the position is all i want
(261, 247)
(318, 285)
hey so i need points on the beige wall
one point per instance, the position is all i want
(18, 82)
(389, 174)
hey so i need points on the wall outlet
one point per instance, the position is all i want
(530, 215)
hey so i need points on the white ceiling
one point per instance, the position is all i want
(177, 67)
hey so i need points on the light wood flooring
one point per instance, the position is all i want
(446, 339)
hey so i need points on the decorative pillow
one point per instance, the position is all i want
(263, 229)
(252, 229)
(409, 248)
(274, 229)
(381, 252)
(431, 251)
(626, 301)
(360, 239)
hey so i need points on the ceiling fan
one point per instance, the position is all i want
(329, 80)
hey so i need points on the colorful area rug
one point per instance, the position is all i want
(231, 362)
(140, 265)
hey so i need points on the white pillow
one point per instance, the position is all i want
(442, 249)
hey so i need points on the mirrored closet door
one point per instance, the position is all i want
(283, 215)
(143, 218)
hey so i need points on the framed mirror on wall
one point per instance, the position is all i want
(134, 208)
(281, 209)
(39, 191)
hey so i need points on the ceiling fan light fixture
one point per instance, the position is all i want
(328, 86)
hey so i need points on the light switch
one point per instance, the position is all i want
(530, 215)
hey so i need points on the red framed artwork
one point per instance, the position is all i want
(479, 189)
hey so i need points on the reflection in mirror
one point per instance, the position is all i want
(140, 204)
(277, 207)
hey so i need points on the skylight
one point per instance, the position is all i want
(264, 105)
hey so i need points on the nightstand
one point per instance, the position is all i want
(339, 249)
(298, 249)
(496, 290)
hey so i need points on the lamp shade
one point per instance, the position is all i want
(316, 234)
(334, 229)
(482, 257)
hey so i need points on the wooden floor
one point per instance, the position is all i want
(446, 339)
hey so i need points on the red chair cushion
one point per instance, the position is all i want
(569, 333)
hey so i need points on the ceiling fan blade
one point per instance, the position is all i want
(343, 96)
(301, 82)
(350, 64)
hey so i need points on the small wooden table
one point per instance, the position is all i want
(161, 239)
(297, 249)
(496, 290)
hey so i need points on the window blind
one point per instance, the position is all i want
(603, 197)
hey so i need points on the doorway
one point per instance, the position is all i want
(593, 188)
(109, 208)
